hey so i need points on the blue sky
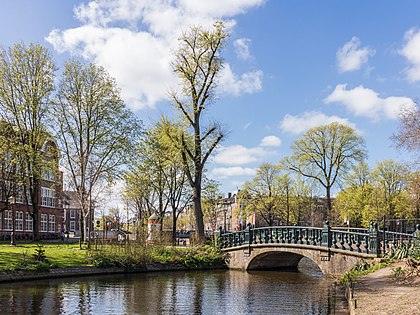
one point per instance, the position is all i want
(290, 65)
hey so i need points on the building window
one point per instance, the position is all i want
(48, 197)
(72, 226)
(44, 222)
(48, 174)
(19, 221)
(72, 214)
(7, 220)
(29, 223)
(52, 223)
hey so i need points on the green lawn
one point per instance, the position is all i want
(58, 254)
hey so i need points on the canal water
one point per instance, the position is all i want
(193, 292)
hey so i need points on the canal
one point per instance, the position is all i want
(192, 292)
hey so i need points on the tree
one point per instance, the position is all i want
(408, 135)
(197, 63)
(325, 153)
(26, 84)
(265, 193)
(211, 203)
(390, 178)
(157, 174)
(356, 198)
(95, 130)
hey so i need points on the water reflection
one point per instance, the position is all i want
(203, 292)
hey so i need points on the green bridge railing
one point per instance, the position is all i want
(369, 241)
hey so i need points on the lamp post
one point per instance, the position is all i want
(12, 236)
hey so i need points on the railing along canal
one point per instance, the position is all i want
(369, 241)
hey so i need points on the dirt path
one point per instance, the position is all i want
(380, 293)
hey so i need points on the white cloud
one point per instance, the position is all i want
(225, 172)
(239, 155)
(411, 51)
(270, 141)
(133, 40)
(301, 123)
(351, 57)
(365, 102)
(247, 83)
(242, 48)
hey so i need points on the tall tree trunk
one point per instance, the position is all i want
(329, 203)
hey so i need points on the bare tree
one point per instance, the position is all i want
(408, 135)
(197, 63)
(95, 130)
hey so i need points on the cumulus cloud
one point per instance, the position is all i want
(270, 141)
(225, 172)
(133, 40)
(411, 51)
(365, 102)
(242, 48)
(238, 155)
(351, 56)
(301, 123)
(247, 83)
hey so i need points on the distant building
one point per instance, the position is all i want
(72, 212)
(16, 207)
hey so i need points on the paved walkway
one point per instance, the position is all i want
(379, 293)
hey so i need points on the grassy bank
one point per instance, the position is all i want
(45, 256)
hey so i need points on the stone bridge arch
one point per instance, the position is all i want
(257, 257)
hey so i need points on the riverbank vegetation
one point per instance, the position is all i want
(43, 257)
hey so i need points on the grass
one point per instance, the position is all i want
(58, 255)
(64, 255)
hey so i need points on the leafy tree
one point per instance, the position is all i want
(26, 84)
(265, 193)
(413, 189)
(156, 177)
(95, 130)
(211, 203)
(326, 153)
(197, 63)
(390, 178)
(302, 195)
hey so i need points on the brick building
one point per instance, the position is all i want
(16, 207)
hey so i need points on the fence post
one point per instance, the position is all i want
(326, 235)
(374, 241)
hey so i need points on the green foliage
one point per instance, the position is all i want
(38, 262)
(404, 251)
(361, 269)
(40, 254)
(190, 257)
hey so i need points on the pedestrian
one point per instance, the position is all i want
(62, 235)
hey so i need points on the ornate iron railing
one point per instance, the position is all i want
(370, 241)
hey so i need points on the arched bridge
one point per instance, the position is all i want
(334, 250)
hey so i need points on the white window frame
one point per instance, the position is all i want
(29, 222)
(48, 174)
(51, 223)
(72, 214)
(19, 220)
(47, 197)
(72, 226)
(7, 220)
(44, 222)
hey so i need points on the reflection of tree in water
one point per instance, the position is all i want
(194, 292)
